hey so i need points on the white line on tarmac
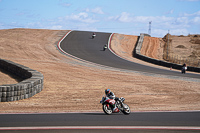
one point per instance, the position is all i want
(101, 127)
(156, 111)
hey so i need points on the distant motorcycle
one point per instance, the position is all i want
(183, 70)
(107, 105)
(104, 47)
(93, 35)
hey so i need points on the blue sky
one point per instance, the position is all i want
(132, 17)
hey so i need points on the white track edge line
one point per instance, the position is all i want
(102, 127)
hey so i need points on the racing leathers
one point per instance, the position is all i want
(111, 95)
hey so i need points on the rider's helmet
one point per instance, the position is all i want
(107, 91)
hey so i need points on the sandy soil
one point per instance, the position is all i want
(153, 47)
(184, 49)
(70, 85)
(123, 46)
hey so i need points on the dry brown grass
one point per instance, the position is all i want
(70, 86)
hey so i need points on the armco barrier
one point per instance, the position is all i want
(158, 62)
(31, 84)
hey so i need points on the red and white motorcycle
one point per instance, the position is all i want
(108, 105)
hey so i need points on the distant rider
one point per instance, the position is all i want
(104, 47)
(93, 35)
(184, 68)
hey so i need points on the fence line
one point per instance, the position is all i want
(173, 58)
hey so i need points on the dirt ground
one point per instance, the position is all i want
(153, 47)
(72, 86)
(186, 46)
(183, 49)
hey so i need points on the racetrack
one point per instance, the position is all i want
(39, 102)
(36, 49)
(81, 45)
(68, 122)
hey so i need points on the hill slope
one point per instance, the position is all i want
(70, 85)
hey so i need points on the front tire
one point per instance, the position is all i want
(107, 109)
(126, 110)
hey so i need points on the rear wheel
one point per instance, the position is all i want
(107, 109)
(126, 109)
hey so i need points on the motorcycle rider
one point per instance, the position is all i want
(93, 35)
(184, 68)
(104, 47)
(111, 95)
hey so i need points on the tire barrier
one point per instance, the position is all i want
(31, 84)
(158, 62)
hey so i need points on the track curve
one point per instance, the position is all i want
(80, 44)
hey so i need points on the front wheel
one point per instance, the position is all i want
(126, 109)
(107, 109)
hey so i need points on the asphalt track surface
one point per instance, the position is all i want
(137, 121)
(80, 44)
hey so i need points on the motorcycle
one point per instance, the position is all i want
(108, 105)
(93, 35)
(183, 70)
(105, 47)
